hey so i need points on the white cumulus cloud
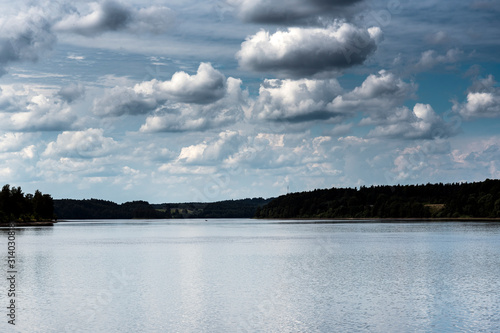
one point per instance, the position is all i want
(303, 52)
(81, 144)
(483, 100)
(296, 100)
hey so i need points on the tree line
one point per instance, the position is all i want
(20, 207)
(455, 200)
(103, 209)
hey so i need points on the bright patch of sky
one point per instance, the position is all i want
(174, 101)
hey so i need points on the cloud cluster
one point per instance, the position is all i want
(291, 11)
(207, 86)
(379, 97)
(115, 16)
(186, 102)
(300, 52)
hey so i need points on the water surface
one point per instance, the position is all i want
(246, 275)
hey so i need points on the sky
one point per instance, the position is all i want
(183, 101)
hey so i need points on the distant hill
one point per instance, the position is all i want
(103, 209)
(469, 200)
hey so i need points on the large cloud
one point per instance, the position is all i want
(296, 100)
(303, 52)
(115, 16)
(291, 11)
(483, 100)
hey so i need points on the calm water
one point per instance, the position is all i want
(255, 276)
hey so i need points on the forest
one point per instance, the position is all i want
(103, 209)
(19, 207)
(456, 200)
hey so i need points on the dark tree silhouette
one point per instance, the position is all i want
(16, 206)
(481, 199)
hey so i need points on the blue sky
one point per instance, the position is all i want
(174, 101)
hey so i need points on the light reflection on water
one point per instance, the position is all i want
(257, 276)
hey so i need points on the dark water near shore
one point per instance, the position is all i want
(255, 276)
